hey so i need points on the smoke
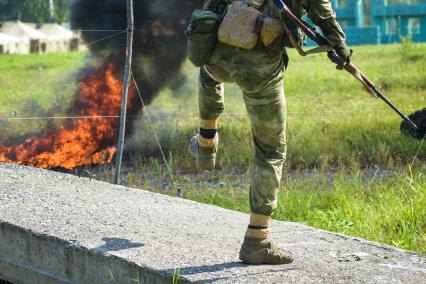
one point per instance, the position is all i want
(159, 41)
(159, 51)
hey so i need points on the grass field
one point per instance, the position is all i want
(349, 169)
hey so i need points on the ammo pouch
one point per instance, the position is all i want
(202, 36)
(240, 26)
(244, 25)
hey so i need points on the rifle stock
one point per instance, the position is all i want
(349, 67)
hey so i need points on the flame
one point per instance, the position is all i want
(83, 141)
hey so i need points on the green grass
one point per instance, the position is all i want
(332, 121)
(349, 169)
(36, 85)
(385, 209)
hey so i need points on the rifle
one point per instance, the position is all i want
(332, 54)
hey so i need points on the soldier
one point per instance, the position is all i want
(259, 73)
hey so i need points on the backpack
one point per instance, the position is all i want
(202, 36)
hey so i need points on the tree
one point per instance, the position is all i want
(61, 11)
(37, 11)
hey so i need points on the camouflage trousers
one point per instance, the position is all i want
(260, 78)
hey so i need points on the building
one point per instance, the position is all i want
(59, 38)
(400, 20)
(13, 45)
(26, 32)
(351, 17)
(388, 22)
(23, 38)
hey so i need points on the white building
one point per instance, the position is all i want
(59, 39)
(26, 32)
(13, 45)
(24, 38)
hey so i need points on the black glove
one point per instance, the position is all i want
(344, 53)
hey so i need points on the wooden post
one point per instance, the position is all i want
(126, 82)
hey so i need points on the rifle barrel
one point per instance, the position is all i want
(321, 40)
(400, 113)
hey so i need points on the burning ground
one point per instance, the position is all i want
(81, 141)
(159, 49)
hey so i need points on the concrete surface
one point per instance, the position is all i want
(57, 228)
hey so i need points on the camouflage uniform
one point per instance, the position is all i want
(259, 73)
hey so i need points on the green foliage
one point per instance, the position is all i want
(36, 85)
(387, 209)
(176, 276)
(36, 11)
(61, 11)
(407, 47)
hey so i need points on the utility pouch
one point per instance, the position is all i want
(271, 29)
(240, 26)
(202, 36)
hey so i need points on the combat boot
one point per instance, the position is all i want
(257, 248)
(204, 150)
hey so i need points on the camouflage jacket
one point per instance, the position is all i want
(319, 11)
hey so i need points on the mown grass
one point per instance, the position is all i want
(332, 121)
(349, 169)
(36, 85)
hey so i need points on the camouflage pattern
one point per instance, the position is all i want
(259, 74)
(319, 11)
(261, 80)
(322, 14)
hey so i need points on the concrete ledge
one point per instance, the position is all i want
(30, 257)
(57, 228)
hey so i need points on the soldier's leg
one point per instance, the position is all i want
(211, 104)
(267, 110)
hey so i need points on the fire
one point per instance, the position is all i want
(82, 141)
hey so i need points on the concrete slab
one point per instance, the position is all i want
(57, 228)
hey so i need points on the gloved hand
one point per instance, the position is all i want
(344, 53)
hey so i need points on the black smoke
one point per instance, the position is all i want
(159, 41)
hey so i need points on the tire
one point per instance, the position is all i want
(419, 118)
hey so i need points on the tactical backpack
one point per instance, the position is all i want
(202, 36)
(203, 30)
(244, 26)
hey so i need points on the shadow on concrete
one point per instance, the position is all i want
(116, 244)
(192, 270)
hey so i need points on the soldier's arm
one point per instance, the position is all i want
(323, 15)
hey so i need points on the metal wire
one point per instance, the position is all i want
(148, 116)
(178, 115)
(105, 38)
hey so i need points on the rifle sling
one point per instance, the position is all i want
(316, 50)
